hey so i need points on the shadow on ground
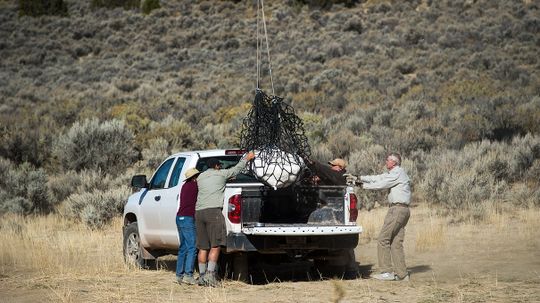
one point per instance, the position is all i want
(298, 271)
(419, 269)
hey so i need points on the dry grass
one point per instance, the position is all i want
(430, 227)
(371, 222)
(432, 234)
(54, 260)
(531, 224)
(51, 244)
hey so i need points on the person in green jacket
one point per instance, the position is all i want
(209, 218)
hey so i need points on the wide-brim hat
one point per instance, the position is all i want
(192, 172)
(338, 162)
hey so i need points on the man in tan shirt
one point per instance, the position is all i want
(390, 242)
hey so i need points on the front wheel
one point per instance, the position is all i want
(132, 248)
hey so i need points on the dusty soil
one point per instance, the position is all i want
(487, 262)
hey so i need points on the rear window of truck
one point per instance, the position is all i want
(226, 162)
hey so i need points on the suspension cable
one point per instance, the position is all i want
(261, 3)
(258, 51)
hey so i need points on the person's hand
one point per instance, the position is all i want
(352, 179)
(250, 156)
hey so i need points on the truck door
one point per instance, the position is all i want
(151, 201)
(170, 203)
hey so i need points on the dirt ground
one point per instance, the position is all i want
(497, 261)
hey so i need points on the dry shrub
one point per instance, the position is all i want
(343, 142)
(156, 152)
(218, 136)
(310, 100)
(315, 129)
(322, 153)
(23, 189)
(480, 172)
(92, 145)
(97, 208)
(177, 133)
(63, 185)
(367, 160)
(523, 196)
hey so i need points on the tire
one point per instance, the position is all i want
(240, 267)
(132, 248)
(342, 265)
(234, 266)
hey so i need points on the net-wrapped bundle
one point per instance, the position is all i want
(276, 134)
(277, 168)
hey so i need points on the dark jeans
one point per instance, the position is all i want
(187, 252)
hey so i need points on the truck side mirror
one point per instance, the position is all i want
(139, 181)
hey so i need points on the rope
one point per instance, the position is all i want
(258, 52)
(260, 6)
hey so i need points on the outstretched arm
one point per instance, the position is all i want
(382, 181)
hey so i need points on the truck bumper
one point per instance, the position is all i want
(307, 230)
(286, 241)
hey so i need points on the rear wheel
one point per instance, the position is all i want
(339, 264)
(234, 266)
(240, 267)
(132, 248)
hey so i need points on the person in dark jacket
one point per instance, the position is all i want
(185, 221)
(329, 175)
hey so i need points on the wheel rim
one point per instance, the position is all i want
(133, 248)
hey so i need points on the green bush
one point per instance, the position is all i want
(26, 141)
(23, 189)
(325, 3)
(148, 5)
(127, 4)
(108, 146)
(36, 8)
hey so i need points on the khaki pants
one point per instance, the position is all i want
(390, 242)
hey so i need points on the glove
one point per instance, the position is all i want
(352, 179)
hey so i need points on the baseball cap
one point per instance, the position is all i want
(338, 162)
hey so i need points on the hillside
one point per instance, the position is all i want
(449, 84)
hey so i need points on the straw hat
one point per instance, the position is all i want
(192, 172)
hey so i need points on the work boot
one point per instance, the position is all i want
(189, 280)
(385, 276)
(179, 279)
(406, 278)
(210, 279)
(200, 280)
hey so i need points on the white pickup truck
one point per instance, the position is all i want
(298, 222)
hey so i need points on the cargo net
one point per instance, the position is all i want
(276, 135)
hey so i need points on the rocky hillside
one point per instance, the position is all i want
(421, 77)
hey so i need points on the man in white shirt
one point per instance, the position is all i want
(390, 241)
